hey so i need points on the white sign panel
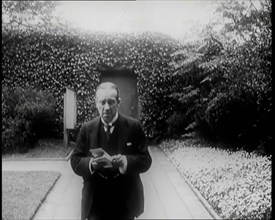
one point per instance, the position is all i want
(70, 109)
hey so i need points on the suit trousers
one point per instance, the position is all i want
(110, 200)
(110, 217)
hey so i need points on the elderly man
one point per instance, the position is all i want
(112, 188)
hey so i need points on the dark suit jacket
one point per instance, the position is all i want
(131, 143)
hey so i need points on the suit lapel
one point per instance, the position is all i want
(94, 135)
(122, 133)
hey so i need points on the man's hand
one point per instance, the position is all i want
(118, 161)
(97, 165)
(103, 161)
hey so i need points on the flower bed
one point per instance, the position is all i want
(236, 184)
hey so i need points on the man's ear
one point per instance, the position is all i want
(118, 100)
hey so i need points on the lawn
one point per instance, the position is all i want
(24, 192)
(236, 184)
(45, 148)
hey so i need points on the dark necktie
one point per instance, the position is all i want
(108, 132)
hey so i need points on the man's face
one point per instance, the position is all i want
(107, 103)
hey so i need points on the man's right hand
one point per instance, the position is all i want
(95, 165)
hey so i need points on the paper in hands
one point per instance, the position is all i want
(101, 156)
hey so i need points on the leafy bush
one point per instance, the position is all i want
(233, 115)
(226, 81)
(10, 98)
(28, 114)
(176, 124)
(230, 102)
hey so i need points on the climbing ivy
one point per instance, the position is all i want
(52, 62)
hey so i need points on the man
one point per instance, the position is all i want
(116, 191)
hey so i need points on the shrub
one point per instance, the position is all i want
(177, 124)
(10, 98)
(230, 98)
(231, 116)
(28, 114)
(226, 82)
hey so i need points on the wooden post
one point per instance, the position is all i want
(66, 135)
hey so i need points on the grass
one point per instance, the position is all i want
(45, 148)
(236, 184)
(24, 192)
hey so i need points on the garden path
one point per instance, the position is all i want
(167, 195)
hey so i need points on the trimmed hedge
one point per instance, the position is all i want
(52, 62)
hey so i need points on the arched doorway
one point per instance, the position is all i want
(126, 81)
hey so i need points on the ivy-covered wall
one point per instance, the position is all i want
(52, 62)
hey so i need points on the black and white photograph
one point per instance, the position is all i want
(139, 109)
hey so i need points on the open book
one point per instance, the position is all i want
(99, 152)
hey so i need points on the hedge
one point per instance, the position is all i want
(51, 62)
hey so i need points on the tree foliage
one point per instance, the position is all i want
(28, 15)
(227, 78)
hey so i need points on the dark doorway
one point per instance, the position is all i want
(127, 85)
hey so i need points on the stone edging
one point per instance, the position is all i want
(197, 193)
(45, 197)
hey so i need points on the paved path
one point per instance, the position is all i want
(167, 195)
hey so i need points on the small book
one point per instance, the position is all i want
(99, 152)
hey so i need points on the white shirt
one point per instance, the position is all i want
(111, 124)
